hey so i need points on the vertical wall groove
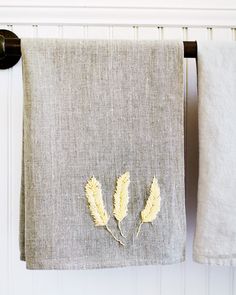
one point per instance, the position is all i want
(209, 33)
(85, 32)
(9, 177)
(185, 37)
(234, 34)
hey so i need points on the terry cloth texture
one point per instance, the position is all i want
(101, 108)
(215, 238)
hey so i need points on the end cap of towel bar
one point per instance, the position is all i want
(10, 49)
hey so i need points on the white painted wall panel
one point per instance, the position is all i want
(188, 278)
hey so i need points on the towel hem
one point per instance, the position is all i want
(63, 264)
(214, 260)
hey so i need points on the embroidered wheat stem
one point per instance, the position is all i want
(121, 199)
(96, 205)
(110, 231)
(152, 206)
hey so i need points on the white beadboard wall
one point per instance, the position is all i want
(107, 22)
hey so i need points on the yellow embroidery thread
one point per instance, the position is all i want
(153, 203)
(96, 206)
(121, 199)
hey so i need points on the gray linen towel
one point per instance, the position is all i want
(215, 237)
(101, 108)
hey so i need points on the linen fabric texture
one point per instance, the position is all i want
(101, 108)
(215, 237)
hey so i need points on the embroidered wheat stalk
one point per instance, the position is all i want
(96, 206)
(121, 199)
(153, 203)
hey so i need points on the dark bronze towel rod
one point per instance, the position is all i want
(10, 51)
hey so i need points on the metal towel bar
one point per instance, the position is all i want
(10, 49)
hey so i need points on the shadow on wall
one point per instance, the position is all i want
(191, 156)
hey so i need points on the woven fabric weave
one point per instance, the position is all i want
(101, 108)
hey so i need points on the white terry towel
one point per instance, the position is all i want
(215, 237)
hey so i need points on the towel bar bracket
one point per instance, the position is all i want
(10, 49)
